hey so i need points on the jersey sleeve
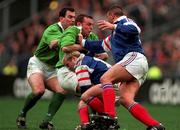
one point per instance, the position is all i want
(69, 36)
(52, 33)
(98, 46)
(129, 27)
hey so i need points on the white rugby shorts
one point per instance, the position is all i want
(37, 66)
(136, 64)
(67, 79)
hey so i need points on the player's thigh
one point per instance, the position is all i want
(115, 74)
(36, 81)
(53, 85)
(94, 91)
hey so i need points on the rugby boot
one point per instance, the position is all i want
(46, 126)
(21, 122)
(158, 127)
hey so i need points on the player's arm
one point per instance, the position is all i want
(52, 37)
(102, 56)
(98, 46)
(129, 27)
(53, 44)
(72, 47)
(69, 39)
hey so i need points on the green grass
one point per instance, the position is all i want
(67, 117)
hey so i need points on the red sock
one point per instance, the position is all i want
(109, 100)
(140, 113)
(97, 105)
(84, 115)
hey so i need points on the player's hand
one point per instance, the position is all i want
(103, 25)
(80, 38)
(53, 44)
(102, 56)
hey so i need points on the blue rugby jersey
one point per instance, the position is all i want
(124, 39)
(95, 67)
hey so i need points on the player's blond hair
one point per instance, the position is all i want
(69, 56)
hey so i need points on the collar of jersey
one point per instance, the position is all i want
(60, 25)
(120, 18)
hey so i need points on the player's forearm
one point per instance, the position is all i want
(93, 46)
(70, 48)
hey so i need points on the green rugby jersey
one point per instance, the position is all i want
(69, 37)
(43, 52)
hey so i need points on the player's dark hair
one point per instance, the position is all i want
(62, 12)
(116, 10)
(80, 18)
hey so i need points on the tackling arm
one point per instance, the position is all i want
(98, 46)
(73, 47)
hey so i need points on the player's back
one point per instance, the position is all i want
(97, 68)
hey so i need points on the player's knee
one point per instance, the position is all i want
(84, 97)
(39, 91)
(81, 105)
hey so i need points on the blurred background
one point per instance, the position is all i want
(22, 23)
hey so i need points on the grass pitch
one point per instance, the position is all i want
(67, 118)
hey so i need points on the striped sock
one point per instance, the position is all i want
(109, 99)
(140, 113)
(96, 104)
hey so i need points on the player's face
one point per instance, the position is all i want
(87, 26)
(69, 18)
(71, 63)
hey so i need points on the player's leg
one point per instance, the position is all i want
(83, 112)
(137, 68)
(92, 98)
(65, 81)
(35, 76)
(127, 92)
(117, 98)
(115, 74)
(36, 82)
(55, 103)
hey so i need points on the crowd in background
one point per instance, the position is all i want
(163, 52)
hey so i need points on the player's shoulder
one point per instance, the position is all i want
(53, 28)
(73, 29)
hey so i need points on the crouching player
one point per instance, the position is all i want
(88, 71)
